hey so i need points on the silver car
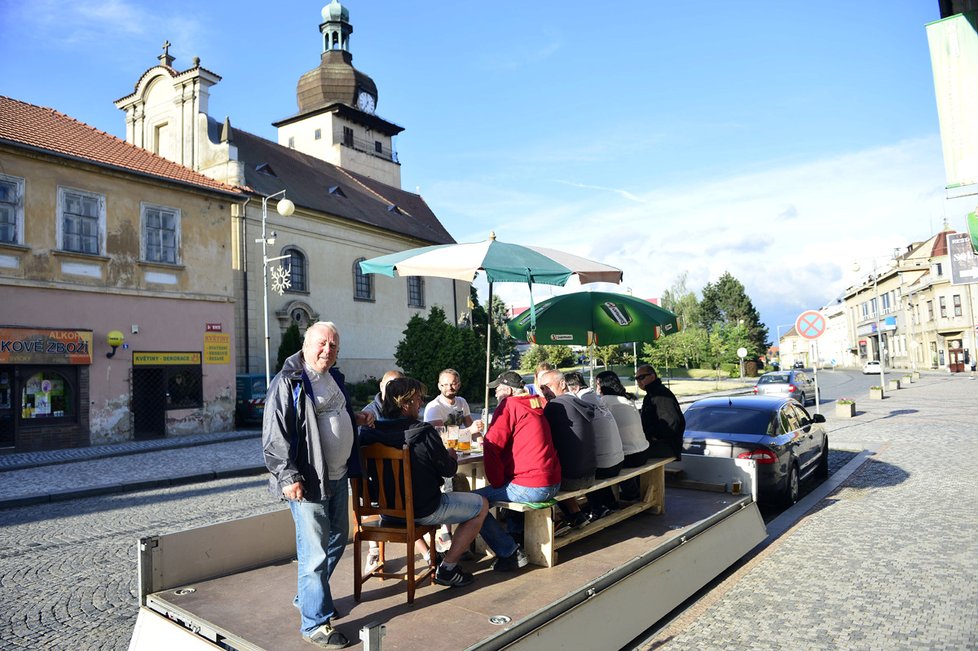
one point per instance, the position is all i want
(797, 384)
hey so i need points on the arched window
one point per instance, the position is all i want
(415, 291)
(363, 284)
(297, 261)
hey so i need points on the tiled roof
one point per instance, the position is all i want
(317, 185)
(49, 130)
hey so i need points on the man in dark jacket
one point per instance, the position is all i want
(662, 418)
(572, 428)
(309, 439)
(430, 463)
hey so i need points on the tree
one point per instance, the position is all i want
(682, 302)
(726, 302)
(291, 344)
(610, 355)
(432, 344)
(557, 355)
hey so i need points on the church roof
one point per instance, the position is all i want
(52, 132)
(323, 187)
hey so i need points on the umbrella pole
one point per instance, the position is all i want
(485, 407)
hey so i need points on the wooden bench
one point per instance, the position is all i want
(539, 542)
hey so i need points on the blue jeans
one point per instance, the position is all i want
(321, 530)
(501, 543)
(454, 508)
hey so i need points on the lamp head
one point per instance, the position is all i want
(285, 207)
(114, 339)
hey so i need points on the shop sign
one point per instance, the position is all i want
(45, 346)
(166, 358)
(217, 348)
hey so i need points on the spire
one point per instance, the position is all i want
(336, 27)
(165, 58)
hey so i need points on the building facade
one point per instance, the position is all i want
(335, 160)
(115, 282)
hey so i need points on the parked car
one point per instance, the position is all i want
(872, 367)
(793, 384)
(789, 444)
(798, 364)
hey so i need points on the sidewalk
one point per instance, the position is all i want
(47, 476)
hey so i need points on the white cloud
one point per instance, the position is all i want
(789, 233)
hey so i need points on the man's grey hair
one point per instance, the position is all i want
(328, 325)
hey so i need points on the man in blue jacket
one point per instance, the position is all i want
(309, 443)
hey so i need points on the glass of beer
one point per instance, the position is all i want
(452, 442)
(464, 440)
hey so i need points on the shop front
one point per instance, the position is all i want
(44, 388)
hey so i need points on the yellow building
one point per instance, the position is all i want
(116, 317)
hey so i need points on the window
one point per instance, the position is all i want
(930, 310)
(49, 395)
(318, 134)
(291, 142)
(161, 233)
(943, 303)
(940, 268)
(82, 221)
(956, 299)
(348, 136)
(415, 291)
(378, 147)
(297, 263)
(184, 387)
(11, 209)
(363, 284)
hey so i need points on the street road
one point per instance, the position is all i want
(68, 569)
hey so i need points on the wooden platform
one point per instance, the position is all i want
(257, 605)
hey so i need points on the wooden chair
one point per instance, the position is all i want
(389, 470)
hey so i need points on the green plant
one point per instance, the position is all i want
(290, 345)
(845, 401)
(875, 388)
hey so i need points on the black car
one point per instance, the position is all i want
(788, 444)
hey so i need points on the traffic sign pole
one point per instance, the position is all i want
(810, 325)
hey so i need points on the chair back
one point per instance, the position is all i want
(385, 488)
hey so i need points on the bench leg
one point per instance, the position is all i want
(653, 488)
(538, 537)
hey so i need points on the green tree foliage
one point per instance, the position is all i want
(290, 345)
(679, 300)
(687, 348)
(726, 302)
(431, 344)
(557, 355)
(612, 354)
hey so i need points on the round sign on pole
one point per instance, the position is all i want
(810, 324)
(741, 352)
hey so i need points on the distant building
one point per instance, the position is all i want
(115, 286)
(335, 159)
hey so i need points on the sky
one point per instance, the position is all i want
(777, 141)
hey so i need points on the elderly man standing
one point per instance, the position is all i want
(571, 424)
(308, 438)
(520, 462)
(662, 417)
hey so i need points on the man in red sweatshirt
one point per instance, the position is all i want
(520, 461)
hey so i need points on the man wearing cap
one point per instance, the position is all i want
(520, 462)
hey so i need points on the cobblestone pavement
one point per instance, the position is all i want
(887, 561)
(68, 569)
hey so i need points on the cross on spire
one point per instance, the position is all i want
(165, 58)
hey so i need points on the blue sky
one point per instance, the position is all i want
(779, 141)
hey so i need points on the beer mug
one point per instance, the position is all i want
(464, 440)
(452, 437)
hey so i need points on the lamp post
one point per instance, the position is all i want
(879, 330)
(284, 208)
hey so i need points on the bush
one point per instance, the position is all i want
(432, 344)
(362, 393)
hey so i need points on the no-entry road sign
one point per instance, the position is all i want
(810, 324)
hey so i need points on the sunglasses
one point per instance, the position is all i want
(642, 376)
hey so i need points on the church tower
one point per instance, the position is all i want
(337, 120)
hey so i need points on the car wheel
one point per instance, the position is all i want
(803, 399)
(793, 488)
(822, 471)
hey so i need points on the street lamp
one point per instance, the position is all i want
(879, 330)
(284, 208)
